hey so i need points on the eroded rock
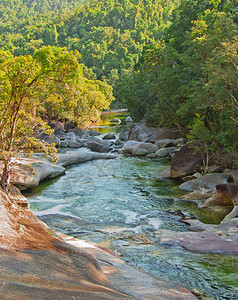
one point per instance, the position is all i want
(37, 263)
(185, 162)
(130, 145)
(206, 182)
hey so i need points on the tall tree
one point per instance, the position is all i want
(26, 82)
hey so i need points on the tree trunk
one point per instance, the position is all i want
(5, 180)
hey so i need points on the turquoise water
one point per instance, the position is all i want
(121, 204)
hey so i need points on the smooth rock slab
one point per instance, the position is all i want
(77, 157)
(37, 263)
(207, 182)
(216, 239)
(28, 172)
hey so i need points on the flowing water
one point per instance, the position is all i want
(121, 204)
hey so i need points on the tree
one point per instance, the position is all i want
(201, 139)
(26, 82)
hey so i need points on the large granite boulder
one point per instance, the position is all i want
(109, 136)
(185, 162)
(129, 146)
(206, 182)
(77, 157)
(49, 138)
(28, 172)
(144, 133)
(123, 136)
(93, 132)
(102, 146)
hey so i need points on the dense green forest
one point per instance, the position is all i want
(22, 21)
(109, 34)
(190, 77)
(169, 62)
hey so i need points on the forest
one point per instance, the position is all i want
(190, 77)
(171, 63)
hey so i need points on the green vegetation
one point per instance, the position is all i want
(61, 58)
(191, 72)
(109, 34)
(50, 84)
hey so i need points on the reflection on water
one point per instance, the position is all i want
(120, 204)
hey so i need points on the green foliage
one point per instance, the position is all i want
(109, 34)
(202, 140)
(192, 72)
(48, 84)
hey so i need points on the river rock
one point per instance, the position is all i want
(207, 182)
(109, 136)
(139, 152)
(226, 195)
(130, 145)
(50, 139)
(60, 133)
(185, 162)
(63, 143)
(215, 240)
(128, 120)
(165, 143)
(28, 172)
(78, 131)
(165, 174)
(72, 141)
(71, 134)
(69, 126)
(99, 146)
(123, 136)
(77, 157)
(166, 152)
(93, 132)
(115, 120)
(163, 152)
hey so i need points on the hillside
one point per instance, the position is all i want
(109, 34)
(21, 21)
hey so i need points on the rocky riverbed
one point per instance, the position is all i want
(137, 140)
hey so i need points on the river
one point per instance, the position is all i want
(121, 204)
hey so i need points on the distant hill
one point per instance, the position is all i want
(109, 34)
(22, 21)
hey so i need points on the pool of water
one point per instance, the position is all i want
(121, 204)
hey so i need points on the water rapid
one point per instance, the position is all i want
(121, 204)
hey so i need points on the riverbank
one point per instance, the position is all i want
(160, 235)
(38, 262)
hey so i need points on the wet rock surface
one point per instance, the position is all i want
(36, 263)
(216, 239)
(29, 172)
(185, 162)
